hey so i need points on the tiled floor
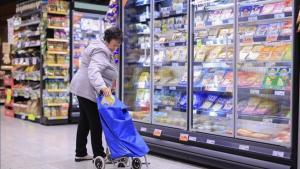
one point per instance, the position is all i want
(26, 145)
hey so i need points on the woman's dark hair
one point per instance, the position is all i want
(113, 33)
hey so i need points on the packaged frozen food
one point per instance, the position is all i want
(278, 7)
(201, 53)
(271, 78)
(286, 28)
(288, 53)
(198, 74)
(213, 54)
(245, 11)
(265, 53)
(252, 104)
(267, 9)
(255, 52)
(228, 80)
(256, 10)
(227, 14)
(209, 101)
(219, 104)
(278, 52)
(213, 15)
(208, 77)
(261, 30)
(228, 105)
(198, 100)
(274, 29)
(227, 54)
(266, 107)
(245, 51)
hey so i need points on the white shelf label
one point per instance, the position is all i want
(155, 106)
(23, 117)
(159, 87)
(34, 60)
(252, 18)
(244, 147)
(192, 138)
(279, 93)
(168, 108)
(254, 91)
(175, 64)
(208, 141)
(279, 15)
(172, 44)
(194, 111)
(267, 120)
(172, 87)
(141, 85)
(143, 129)
(278, 153)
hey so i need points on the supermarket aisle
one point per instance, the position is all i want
(26, 145)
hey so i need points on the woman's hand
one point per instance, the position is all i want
(106, 91)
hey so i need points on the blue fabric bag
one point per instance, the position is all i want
(121, 136)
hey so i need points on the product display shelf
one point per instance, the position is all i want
(240, 70)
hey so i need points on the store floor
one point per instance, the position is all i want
(26, 145)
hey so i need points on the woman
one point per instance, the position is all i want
(97, 72)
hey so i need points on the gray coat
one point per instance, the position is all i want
(97, 70)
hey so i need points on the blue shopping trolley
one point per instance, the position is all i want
(125, 144)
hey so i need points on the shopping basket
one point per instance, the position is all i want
(123, 140)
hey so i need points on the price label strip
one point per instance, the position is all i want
(143, 129)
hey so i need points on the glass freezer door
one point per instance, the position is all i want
(86, 27)
(170, 63)
(264, 71)
(137, 56)
(213, 59)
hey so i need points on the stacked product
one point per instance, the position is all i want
(40, 59)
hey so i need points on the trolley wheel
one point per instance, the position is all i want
(122, 163)
(136, 163)
(99, 162)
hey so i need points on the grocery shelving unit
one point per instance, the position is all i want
(41, 62)
(216, 80)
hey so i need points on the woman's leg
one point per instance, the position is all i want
(82, 130)
(92, 115)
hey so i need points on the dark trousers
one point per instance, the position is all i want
(89, 121)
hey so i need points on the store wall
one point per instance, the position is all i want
(7, 10)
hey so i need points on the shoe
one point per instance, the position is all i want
(84, 158)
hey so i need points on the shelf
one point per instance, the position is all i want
(176, 88)
(28, 24)
(57, 104)
(171, 14)
(270, 63)
(260, 91)
(57, 40)
(265, 18)
(172, 44)
(215, 7)
(29, 12)
(263, 39)
(57, 117)
(213, 113)
(56, 27)
(28, 35)
(218, 24)
(6, 67)
(29, 46)
(55, 77)
(224, 64)
(57, 65)
(58, 12)
(223, 90)
(58, 52)
(56, 90)
(265, 118)
(261, 2)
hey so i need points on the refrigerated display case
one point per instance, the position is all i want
(216, 80)
(86, 27)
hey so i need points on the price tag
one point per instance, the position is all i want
(254, 91)
(22, 77)
(252, 18)
(23, 116)
(168, 108)
(192, 138)
(155, 106)
(34, 60)
(172, 87)
(279, 15)
(157, 132)
(21, 60)
(172, 44)
(244, 147)
(278, 153)
(31, 117)
(166, 13)
(194, 111)
(143, 18)
(143, 129)
(175, 64)
(184, 137)
(208, 141)
(267, 120)
(279, 93)
(159, 87)
(141, 85)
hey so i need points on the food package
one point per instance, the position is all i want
(255, 52)
(219, 104)
(201, 53)
(209, 101)
(249, 79)
(213, 54)
(228, 81)
(245, 11)
(245, 51)
(268, 9)
(278, 52)
(252, 104)
(266, 107)
(274, 29)
(198, 100)
(286, 29)
(256, 135)
(198, 74)
(213, 15)
(278, 7)
(228, 107)
(227, 54)
(271, 79)
(288, 53)
(265, 53)
(227, 14)
(261, 30)
(256, 10)
(283, 136)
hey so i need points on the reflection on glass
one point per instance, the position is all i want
(265, 71)
(137, 59)
(213, 67)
